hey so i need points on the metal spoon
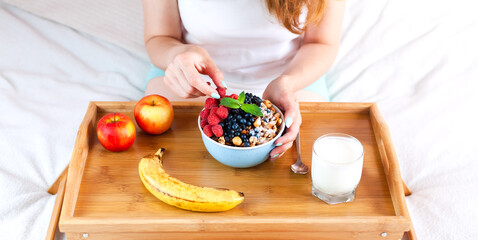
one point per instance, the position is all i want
(299, 167)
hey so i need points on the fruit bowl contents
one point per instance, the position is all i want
(243, 120)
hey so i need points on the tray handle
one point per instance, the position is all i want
(77, 162)
(398, 188)
(55, 215)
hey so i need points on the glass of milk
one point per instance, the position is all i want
(337, 161)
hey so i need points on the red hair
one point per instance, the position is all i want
(288, 13)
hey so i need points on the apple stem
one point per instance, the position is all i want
(153, 102)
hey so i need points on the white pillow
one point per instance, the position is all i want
(117, 21)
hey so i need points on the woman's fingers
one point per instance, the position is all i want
(285, 142)
(194, 79)
(180, 82)
(292, 122)
(171, 80)
(291, 133)
(188, 67)
(278, 151)
(190, 90)
(210, 69)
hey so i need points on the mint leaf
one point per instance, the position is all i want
(241, 97)
(252, 109)
(230, 102)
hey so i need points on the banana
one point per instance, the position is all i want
(182, 195)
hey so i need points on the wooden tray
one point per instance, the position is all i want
(105, 198)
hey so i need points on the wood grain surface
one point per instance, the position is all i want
(238, 235)
(107, 195)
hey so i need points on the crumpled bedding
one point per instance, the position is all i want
(416, 59)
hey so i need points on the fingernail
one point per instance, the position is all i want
(224, 84)
(275, 156)
(288, 122)
(216, 96)
(279, 144)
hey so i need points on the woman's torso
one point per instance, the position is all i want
(245, 41)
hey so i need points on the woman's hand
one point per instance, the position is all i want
(182, 75)
(283, 97)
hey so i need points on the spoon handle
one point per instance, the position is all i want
(297, 145)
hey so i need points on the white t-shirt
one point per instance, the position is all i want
(246, 42)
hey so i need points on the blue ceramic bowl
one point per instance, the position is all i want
(240, 157)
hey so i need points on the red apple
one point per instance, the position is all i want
(154, 114)
(116, 132)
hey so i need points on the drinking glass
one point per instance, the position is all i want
(337, 161)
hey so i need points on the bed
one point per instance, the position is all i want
(416, 59)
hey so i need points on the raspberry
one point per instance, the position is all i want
(234, 96)
(203, 122)
(207, 130)
(222, 112)
(213, 119)
(209, 103)
(204, 113)
(213, 110)
(217, 130)
(221, 91)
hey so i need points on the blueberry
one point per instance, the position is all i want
(231, 131)
(231, 135)
(235, 126)
(221, 124)
(248, 123)
(226, 138)
(238, 117)
(237, 133)
(246, 144)
(251, 119)
(243, 121)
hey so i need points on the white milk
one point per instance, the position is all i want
(336, 164)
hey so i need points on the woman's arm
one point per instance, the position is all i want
(319, 48)
(314, 58)
(162, 31)
(182, 62)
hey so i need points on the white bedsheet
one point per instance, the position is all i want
(417, 59)
(48, 75)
